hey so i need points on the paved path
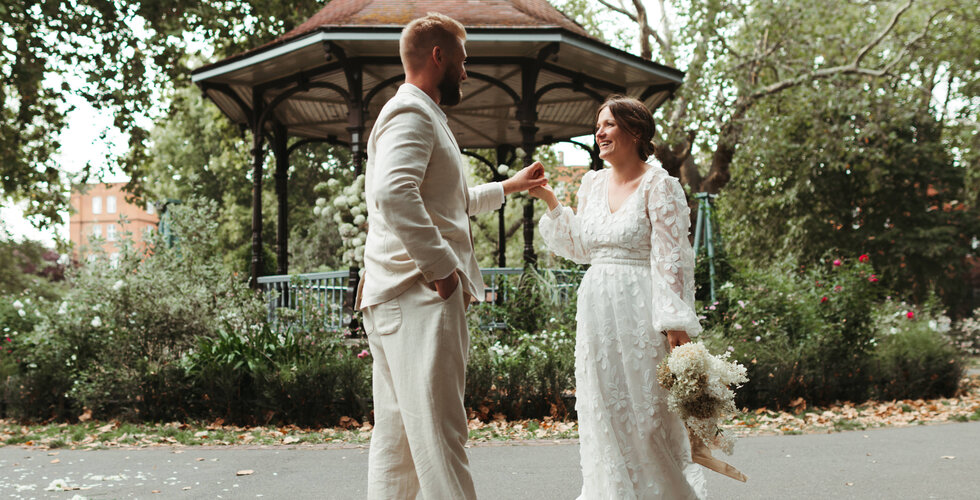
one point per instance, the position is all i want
(936, 461)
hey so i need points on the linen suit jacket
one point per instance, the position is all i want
(418, 202)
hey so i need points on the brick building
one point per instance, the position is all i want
(98, 210)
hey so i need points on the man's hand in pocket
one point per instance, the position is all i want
(446, 286)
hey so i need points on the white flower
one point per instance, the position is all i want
(357, 210)
(96, 322)
(340, 201)
(758, 338)
(18, 305)
(332, 183)
(321, 202)
(118, 285)
(63, 308)
(21, 312)
(502, 169)
(358, 220)
(317, 211)
(737, 326)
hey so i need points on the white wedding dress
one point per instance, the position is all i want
(641, 282)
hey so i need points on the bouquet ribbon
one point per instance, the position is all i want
(701, 454)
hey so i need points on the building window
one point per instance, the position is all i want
(96, 231)
(110, 232)
(96, 204)
(150, 209)
(114, 259)
(110, 204)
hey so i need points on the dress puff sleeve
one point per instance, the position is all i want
(671, 257)
(561, 228)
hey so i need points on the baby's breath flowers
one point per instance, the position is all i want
(699, 390)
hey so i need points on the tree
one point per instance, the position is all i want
(853, 172)
(118, 56)
(738, 54)
(196, 152)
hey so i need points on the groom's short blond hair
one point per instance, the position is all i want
(423, 34)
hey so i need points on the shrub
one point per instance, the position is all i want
(817, 334)
(914, 358)
(114, 343)
(522, 353)
(966, 334)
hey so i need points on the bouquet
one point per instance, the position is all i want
(699, 387)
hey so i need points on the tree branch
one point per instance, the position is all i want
(854, 67)
(619, 10)
(881, 36)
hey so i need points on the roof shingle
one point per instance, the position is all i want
(471, 13)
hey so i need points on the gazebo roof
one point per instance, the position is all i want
(487, 14)
(504, 38)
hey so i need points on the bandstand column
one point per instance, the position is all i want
(257, 158)
(282, 181)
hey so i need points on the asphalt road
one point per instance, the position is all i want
(934, 461)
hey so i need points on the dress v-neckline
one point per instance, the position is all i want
(628, 197)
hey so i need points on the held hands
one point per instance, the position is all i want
(529, 177)
(546, 194)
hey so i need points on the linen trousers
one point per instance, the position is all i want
(420, 346)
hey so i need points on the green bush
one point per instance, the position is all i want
(522, 353)
(113, 344)
(820, 334)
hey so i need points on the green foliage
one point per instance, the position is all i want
(280, 373)
(828, 334)
(118, 56)
(522, 354)
(966, 334)
(861, 170)
(197, 152)
(114, 341)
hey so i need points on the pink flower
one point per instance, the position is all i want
(8, 339)
(731, 349)
(836, 262)
(363, 354)
(838, 288)
(863, 258)
(910, 315)
(873, 279)
(737, 326)
(824, 299)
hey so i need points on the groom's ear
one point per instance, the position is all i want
(437, 55)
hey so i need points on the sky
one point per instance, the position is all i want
(81, 144)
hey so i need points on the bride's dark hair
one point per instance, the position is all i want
(635, 119)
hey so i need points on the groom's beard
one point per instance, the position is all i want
(449, 92)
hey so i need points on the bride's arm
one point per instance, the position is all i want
(672, 261)
(560, 227)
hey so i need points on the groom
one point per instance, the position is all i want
(420, 271)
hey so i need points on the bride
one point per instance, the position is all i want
(634, 304)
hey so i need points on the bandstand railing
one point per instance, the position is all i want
(325, 292)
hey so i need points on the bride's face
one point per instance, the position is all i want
(614, 142)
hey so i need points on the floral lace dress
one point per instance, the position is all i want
(641, 282)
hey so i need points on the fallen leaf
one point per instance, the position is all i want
(245, 472)
(58, 461)
(848, 484)
(949, 457)
(199, 459)
(106, 427)
(85, 416)
(290, 440)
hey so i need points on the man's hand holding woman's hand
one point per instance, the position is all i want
(529, 177)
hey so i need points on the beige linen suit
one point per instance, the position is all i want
(419, 231)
